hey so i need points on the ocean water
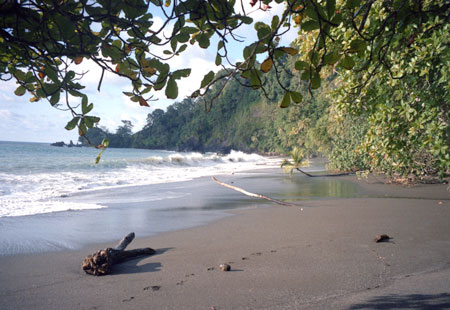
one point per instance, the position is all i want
(56, 198)
(36, 178)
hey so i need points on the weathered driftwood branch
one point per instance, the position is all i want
(243, 191)
(325, 175)
(100, 263)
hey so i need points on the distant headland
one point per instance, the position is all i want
(62, 143)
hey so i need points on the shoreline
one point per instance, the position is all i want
(142, 210)
(320, 255)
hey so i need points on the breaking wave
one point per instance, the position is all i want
(38, 182)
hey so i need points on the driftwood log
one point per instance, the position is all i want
(101, 262)
(243, 191)
(325, 175)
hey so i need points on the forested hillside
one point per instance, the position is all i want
(241, 118)
(393, 131)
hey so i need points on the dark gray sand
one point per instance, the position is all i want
(319, 255)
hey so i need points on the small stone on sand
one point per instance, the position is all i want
(224, 267)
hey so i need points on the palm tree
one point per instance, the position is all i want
(297, 156)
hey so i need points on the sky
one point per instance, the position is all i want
(22, 120)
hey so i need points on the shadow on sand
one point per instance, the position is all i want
(132, 266)
(411, 301)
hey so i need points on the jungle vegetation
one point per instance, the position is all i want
(389, 62)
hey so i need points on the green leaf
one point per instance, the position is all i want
(331, 58)
(86, 108)
(286, 100)
(331, 8)
(203, 40)
(182, 48)
(99, 156)
(347, 62)
(352, 3)
(54, 99)
(218, 61)
(20, 91)
(51, 73)
(246, 74)
(91, 120)
(301, 65)
(260, 25)
(314, 57)
(263, 33)
(65, 25)
(160, 82)
(289, 50)
(310, 10)
(337, 19)
(195, 94)
(51, 88)
(207, 79)
(84, 101)
(357, 46)
(40, 93)
(255, 79)
(183, 37)
(75, 93)
(275, 22)
(310, 25)
(73, 123)
(315, 81)
(157, 2)
(305, 75)
(19, 74)
(296, 96)
(181, 73)
(171, 89)
(82, 129)
(117, 43)
(246, 20)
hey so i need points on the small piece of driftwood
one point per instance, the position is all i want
(101, 262)
(243, 191)
(382, 238)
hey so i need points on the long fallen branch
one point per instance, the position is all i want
(100, 263)
(325, 175)
(243, 191)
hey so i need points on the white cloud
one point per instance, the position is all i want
(5, 114)
(138, 120)
(7, 89)
(92, 76)
(25, 121)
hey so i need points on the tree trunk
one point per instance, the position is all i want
(101, 262)
(243, 191)
(325, 175)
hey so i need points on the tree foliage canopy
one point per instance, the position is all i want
(393, 56)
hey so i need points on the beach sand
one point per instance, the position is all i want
(320, 254)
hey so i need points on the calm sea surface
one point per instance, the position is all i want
(33, 176)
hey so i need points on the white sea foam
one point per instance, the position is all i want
(35, 188)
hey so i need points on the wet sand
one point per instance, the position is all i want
(320, 254)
